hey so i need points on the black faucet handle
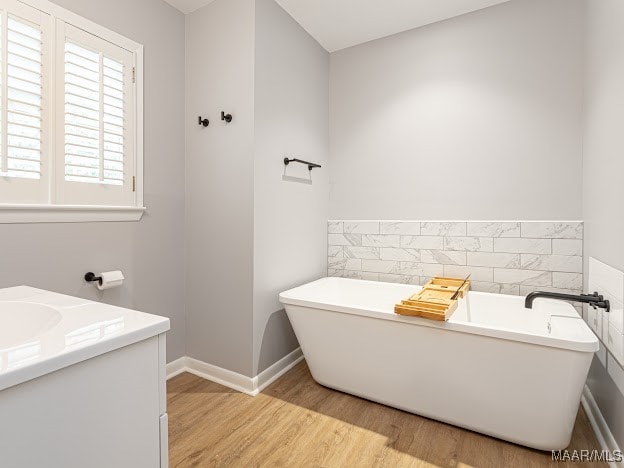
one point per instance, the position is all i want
(601, 304)
(594, 295)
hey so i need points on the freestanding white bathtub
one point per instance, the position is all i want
(494, 367)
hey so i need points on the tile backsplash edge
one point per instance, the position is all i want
(509, 257)
(608, 326)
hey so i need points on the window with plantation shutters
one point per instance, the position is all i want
(97, 90)
(70, 116)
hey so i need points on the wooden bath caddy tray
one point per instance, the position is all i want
(434, 301)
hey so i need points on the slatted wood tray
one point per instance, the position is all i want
(434, 301)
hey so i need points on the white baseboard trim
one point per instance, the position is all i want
(176, 367)
(222, 376)
(249, 385)
(599, 425)
(275, 371)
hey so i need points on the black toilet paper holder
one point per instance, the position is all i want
(91, 278)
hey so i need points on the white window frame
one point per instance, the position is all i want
(55, 213)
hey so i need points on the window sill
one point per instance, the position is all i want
(16, 214)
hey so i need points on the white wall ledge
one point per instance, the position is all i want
(22, 214)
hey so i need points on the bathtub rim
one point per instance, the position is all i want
(591, 345)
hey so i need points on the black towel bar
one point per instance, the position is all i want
(310, 164)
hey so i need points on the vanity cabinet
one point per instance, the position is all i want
(104, 412)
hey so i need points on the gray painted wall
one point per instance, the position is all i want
(291, 119)
(219, 184)
(603, 191)
(249, 233)
(473, 118)
(150, 252)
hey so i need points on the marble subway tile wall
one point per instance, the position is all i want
(502, 257)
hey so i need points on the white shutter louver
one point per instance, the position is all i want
(22, 98)
(94, 117)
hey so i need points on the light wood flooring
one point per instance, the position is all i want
(298, 423)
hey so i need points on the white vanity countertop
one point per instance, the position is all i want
(62, 331)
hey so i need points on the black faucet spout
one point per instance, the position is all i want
(595, 300)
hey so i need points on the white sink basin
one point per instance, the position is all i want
(23, 321)
(43, 331)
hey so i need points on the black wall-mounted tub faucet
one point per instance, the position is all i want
(595, 300)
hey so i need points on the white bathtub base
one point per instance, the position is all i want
(509, 390)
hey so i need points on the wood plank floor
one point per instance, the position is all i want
(298, 423)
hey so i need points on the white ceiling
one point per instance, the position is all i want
(337, 24)
(188, 6)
